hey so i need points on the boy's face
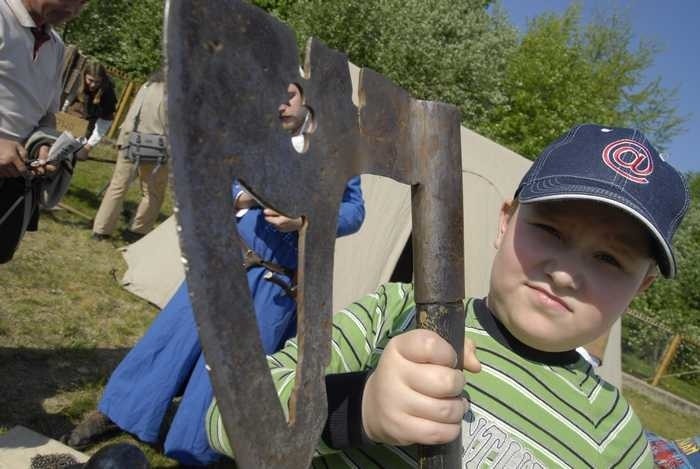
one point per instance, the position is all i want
(293, 112)
(565, 271)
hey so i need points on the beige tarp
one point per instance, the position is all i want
(367, 258)
(155, 269)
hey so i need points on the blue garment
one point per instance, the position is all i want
(168, 362)
(674, 454)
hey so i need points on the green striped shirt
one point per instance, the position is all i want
(523, 413)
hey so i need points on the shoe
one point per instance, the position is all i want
(131, 236)
(95, 427)
(118, 455)
(100, 236)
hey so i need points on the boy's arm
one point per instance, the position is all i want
(241, 199)
(359, 333)
(49, 120)
(352, 209)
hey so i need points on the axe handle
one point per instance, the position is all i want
(448, 321)
(438, 242)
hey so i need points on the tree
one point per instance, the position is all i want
(438, 50)
(674, 303)
(126, 34)
(564, 73)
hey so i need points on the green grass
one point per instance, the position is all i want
(65, 322)
(642, 369)
(662, 420)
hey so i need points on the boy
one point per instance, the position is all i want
(591, 223)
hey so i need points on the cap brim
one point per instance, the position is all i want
(570, 188)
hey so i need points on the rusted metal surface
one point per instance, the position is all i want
(229, 65)
(438, 242)
(448, 320)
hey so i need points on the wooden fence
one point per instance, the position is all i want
(668, 352)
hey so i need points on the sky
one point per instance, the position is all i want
(674, 25)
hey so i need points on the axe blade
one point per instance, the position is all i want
(229, 64)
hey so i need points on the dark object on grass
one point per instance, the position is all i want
(54, 461)
(131, 236)
(95, 427)
(118, 456)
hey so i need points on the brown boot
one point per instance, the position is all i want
(95, 427)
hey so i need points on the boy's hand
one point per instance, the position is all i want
(282, 223)
(12, 158)
(414, 395)
(244, 200)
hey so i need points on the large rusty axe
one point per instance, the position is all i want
(229, 64)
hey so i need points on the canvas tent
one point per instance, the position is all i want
(367, 258)
(155, 269)
(364, 260)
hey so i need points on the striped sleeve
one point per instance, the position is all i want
(359, 334)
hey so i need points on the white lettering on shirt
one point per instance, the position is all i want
(485, 444)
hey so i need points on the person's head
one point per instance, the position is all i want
(95, 77)
(590, 227)
(95, 81)
(293, 113)
(53, 12)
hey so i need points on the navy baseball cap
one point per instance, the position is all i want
(618, 167)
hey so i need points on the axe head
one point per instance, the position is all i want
(229, 67)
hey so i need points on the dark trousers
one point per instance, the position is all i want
(13, 226)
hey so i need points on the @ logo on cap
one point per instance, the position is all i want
(629, 159)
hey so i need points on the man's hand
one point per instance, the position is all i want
(84, 152)
(12, 158)
(40, 166)
(282, 223)
(414, 395)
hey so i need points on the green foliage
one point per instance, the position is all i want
(441, 50)
(279, 8)
(675, 303)
(125, 34)
(564, 73)
(521, 94)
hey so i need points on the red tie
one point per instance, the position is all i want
(40, 37)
